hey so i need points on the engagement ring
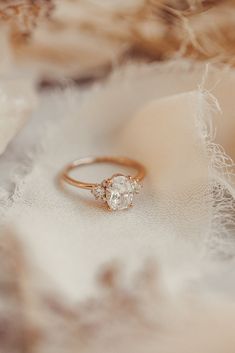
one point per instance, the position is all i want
(119, 190)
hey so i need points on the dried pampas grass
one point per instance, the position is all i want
(83, 39)
(22, 15)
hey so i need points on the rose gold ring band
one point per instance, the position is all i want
(122, 161)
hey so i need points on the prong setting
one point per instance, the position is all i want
(117, 191)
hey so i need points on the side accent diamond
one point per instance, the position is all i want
(136, 186)
(98, 192)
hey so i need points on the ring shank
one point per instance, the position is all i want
(122, 161)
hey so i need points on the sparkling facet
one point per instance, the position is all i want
(119, 192)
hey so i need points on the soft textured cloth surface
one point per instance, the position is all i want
(165, 268)
(179, 212)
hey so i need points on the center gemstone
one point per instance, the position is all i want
(119, 193)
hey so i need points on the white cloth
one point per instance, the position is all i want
(180, 211)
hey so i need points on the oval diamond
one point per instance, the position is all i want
(119, 192)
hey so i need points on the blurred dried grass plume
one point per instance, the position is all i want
(137, 317)
(82, 39)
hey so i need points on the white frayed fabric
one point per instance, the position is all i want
(63, 220)
(184, 219)
(17, 101)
